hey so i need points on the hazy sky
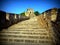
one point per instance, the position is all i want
(18, 6)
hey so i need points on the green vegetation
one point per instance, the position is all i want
(36, 13)
(23, 13)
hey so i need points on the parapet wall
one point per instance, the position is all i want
(8, 19)
(50, 19)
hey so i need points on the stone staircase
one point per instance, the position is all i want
(27, 32)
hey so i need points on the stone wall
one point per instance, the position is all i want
(50, 20)
(8, 19)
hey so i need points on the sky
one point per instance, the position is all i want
(19, 6)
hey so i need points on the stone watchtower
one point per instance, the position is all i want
(54, 14)
(30, 13)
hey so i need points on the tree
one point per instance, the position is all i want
(23, 14)
(36, 13)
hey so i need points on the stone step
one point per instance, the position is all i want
(28, 31)
(27, 42)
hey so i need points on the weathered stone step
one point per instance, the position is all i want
(3, 40)
(30, 26)
(27, 32)
(27, 41)
(24, 33)
(25, 29)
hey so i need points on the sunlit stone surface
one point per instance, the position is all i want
(27, 32)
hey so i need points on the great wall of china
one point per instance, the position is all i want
(30, 29)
